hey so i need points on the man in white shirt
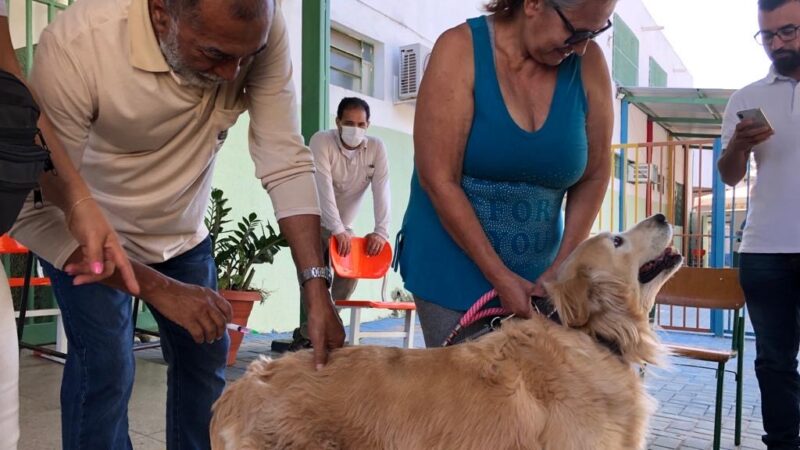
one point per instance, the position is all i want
(770, 249)
(348, 162)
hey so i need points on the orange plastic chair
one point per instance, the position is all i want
(357, 264)
(9, 246)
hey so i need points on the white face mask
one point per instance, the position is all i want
(353, 136)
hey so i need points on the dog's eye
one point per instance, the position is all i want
(618, 241)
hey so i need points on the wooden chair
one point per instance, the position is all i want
(9, 246)
(357, 264)
(713, 289)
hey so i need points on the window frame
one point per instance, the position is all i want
(367, 75)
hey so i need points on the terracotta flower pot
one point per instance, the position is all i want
(242, 304)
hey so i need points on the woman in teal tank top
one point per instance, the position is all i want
(514, 114)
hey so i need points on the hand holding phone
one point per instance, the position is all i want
(756, 115)
(748, 135)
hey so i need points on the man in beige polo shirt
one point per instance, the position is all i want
(143, 93)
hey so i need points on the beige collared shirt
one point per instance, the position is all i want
(146, 145)
(343, 177)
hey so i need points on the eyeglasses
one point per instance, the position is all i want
(786, 34)
(579, 35)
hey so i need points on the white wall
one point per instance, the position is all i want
(391, 24)
(388, 25)
(651, 44)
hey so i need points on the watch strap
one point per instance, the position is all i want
(316, 272)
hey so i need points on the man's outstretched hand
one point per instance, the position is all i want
(203, 312)
(200, 310)
(325, 329)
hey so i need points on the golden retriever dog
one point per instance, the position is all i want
(534, 384)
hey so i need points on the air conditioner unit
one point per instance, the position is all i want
(413, 60)
(642, 173)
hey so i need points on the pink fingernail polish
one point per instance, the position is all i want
(97, 268)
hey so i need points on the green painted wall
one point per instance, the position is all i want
(235, 175)
(625, 58)
(658, 76)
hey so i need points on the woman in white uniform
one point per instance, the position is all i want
(87, 224)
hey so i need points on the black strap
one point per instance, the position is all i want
(545, 307)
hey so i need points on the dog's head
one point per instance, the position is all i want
(608, 285)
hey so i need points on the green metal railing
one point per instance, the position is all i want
(25, 54)
(52, 7)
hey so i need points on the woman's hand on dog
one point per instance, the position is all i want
(548, 276)
(515, 294)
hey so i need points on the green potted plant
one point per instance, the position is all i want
(236, 252)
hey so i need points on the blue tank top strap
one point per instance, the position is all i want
(483, 54)
(571, 81)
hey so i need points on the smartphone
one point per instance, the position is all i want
(756, 115)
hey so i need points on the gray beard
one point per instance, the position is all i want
(171, 51)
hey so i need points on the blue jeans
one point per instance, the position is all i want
(771, 284)
(98, 376)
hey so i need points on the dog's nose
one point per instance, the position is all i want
(660, 218)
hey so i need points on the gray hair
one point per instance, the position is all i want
(238, 9)
(507, 8)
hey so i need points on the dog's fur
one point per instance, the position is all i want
(532, 385)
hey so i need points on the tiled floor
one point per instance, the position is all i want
(684, 419)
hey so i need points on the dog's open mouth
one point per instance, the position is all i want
(668, 260)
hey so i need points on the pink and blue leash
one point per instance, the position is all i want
(476, 313)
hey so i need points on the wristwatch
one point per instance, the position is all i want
(316, 272)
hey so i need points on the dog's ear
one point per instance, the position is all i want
(571, 298)
(610, 288)
(621, 319)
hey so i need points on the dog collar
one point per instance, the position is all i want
(545, 307)
(612, 346)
